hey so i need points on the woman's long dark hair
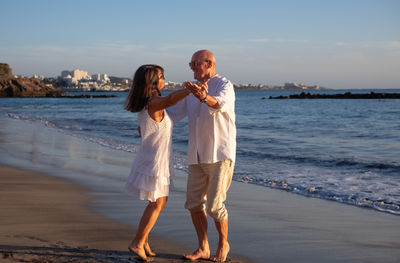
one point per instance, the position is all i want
(145, 81)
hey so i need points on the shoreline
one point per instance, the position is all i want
(265, 225)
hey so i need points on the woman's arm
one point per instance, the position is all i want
(161, 103)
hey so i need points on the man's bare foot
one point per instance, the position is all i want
(198, 254)
(222, 252)
(140, 252)
(148, 251)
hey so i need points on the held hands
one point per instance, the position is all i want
(198, 90)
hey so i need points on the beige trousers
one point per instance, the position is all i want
(209, 182)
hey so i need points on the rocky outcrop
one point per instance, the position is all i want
(26, 87)
(23, 87)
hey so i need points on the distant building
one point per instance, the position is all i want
(79, 80)
(65, 73)
(80, 75)
(75, 76)
(101, 78)
(41, 77)
(303, 86)
(169, 85)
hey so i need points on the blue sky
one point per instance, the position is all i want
(335, 44)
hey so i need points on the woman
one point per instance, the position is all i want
(152, 169)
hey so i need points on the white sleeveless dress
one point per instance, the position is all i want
(152, 171)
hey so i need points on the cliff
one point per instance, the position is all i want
(26, 87)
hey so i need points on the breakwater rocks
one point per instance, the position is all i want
(347, 95)
(85, 96)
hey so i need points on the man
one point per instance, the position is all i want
(212, 150)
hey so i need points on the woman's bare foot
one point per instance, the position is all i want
(222, 252)
(140, 252)
(148, 251)
(198, 254)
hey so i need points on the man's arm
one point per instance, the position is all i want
(201, 93)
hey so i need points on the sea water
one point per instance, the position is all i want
(345, 150)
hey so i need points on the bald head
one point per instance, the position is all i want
(203, 65)
(204, 55)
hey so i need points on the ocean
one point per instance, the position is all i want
(341, 150)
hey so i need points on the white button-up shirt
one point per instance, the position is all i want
(212, 132)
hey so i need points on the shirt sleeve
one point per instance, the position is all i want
(178, 111)
(225, 96)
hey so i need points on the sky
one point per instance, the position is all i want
(337, 44)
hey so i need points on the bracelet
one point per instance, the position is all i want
(205, 99)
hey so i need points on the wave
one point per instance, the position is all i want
(320, 161)
(319, 192)
(33, 119)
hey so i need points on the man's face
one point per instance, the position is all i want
(200, 68)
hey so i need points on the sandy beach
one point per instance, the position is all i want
(46, 219)
(68, 203)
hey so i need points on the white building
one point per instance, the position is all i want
(70, 80)
(41, 77)
(101, 78)
(80, 75)
(75, 76)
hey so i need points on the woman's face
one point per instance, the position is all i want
(161, 80)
